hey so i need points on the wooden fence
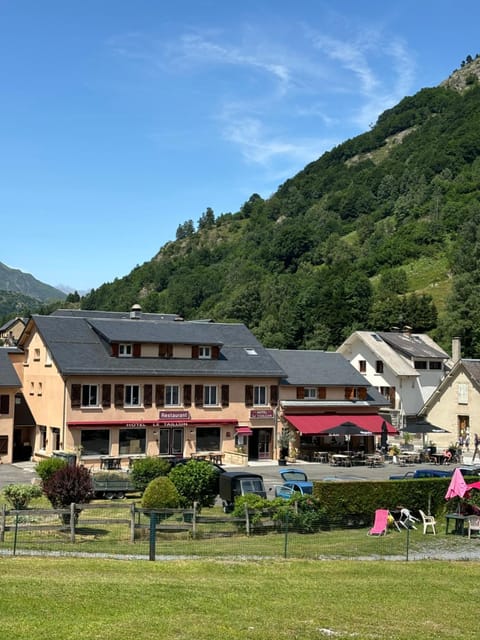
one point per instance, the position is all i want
(76, 517)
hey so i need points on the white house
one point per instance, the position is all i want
(405, 367)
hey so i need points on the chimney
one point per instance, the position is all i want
(135, 312)
(456, 350)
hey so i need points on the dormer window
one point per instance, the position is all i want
(125, 350)
(204, 352)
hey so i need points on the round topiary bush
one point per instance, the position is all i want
(147, 469)
(160, 493)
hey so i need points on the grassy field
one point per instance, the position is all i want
(205, 599)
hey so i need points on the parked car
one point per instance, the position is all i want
(294, 480)
(423, 473)
(239, 483)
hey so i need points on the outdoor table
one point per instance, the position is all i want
(439, 458)
(459, 520)
(374, 461)
(342, 460)
(216, 457)
(110, 463)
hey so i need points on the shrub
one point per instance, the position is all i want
(46, 468)
(160, 493)
(69, 484)
(147, 469)
(196, 481)
(19, 495)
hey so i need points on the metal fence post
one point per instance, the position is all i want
(72, 522)
(153, 536)
(285, 550)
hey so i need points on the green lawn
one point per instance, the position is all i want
(45, 598)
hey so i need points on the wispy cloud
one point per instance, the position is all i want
(264, 94)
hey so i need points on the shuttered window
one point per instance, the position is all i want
(147, 395)
(160, 395)
(106, 395)
(4, 404)
(273, 394)
(119, 395)
(76, 395)
(225, 395)
(199, 395)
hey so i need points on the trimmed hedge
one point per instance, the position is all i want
(351, 503)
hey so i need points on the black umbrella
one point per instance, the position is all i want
(423, 427)
(384, 437)
(348, 429)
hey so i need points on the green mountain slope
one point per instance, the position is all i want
(371, 235)
(16, 281)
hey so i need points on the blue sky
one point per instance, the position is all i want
(121, 119)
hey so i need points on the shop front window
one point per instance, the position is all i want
(132, 441)
(95, 442)
(208, 438)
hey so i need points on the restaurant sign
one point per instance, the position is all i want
(256, 414)
(174, 415)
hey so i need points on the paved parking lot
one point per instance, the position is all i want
(19, 473)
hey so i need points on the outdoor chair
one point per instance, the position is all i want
(473, 523)
(407, 520)
(428, 521)
(380, 524)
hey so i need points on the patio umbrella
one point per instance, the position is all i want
(422, 427)
(384, 437)
(347, 429)
(457, 487)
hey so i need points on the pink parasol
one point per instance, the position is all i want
(457, 487)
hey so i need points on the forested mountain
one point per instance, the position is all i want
(381, 231)
(22, 294)
(16, 281)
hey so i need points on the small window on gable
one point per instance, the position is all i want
(48, 359)
(362, 366)
(204, 352)
(379, 366)
(36, 354)
(462, 393)
(125, 350)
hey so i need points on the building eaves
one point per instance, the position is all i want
(8, 375)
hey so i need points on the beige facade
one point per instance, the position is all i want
(123, 416)
(456, 406)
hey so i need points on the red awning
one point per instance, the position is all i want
(318, 424)
(244, 431)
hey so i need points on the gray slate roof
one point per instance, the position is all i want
(414, 345)
(324, 369)
(79, 344)
(8, 375)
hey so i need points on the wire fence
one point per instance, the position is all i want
(124, 530)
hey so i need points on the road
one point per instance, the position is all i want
(19, 473)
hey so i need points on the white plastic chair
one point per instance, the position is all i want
(473, 523)
(428, 521)
(406, 519)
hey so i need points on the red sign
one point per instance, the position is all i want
(261, 413)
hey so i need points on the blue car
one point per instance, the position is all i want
(294, 481)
